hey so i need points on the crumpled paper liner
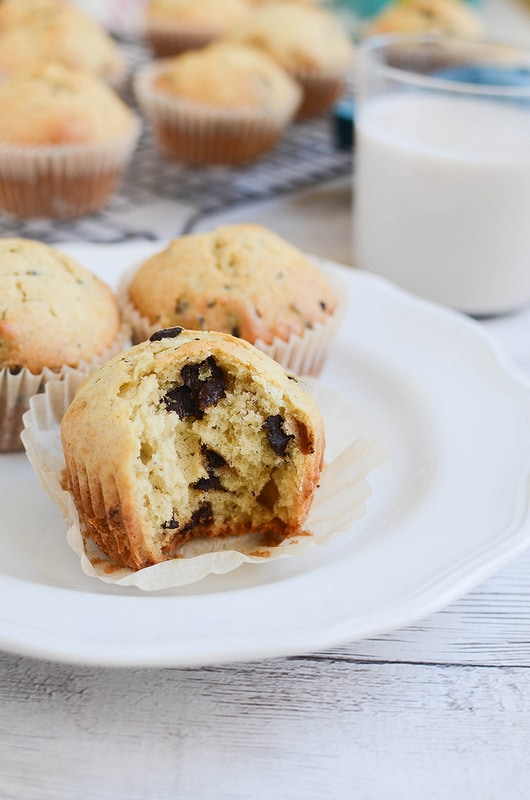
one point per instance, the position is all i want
(200, 134)
(63, 181)
(302, 355)
(352, 450)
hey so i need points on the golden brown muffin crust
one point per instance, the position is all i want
(51, 104)
(229, 76)
(415, 16)
(52, 310)
(298, 37)
(239, 279)
(39, 31)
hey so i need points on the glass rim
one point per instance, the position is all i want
(380, 43)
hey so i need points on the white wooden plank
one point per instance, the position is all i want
(277, 729)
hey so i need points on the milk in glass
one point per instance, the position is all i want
(442, 197)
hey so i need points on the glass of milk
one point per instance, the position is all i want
(442, 169)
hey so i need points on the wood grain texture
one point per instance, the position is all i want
(437, 710)
(289, 728)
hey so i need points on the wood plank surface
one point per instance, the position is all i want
(437, 710)
(290, 728)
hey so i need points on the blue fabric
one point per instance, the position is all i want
(486, 75)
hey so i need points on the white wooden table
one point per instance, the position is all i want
(437, 711)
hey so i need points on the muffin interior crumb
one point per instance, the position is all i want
(216, 454)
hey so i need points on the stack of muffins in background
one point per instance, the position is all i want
(237, 73)
(65, 134)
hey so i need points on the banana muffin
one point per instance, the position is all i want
(223, 104)
(310, 43)
(174, 26)
(39, 31)
(65, 139)
(415, 16)
(239, 279)
(54, 315)
(190, 435)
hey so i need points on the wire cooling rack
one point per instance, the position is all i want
(159, 198)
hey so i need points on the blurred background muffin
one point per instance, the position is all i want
(173, 26)
(415, 16)
(65, 139)
(38, 31)
(309, 43)
(55, 316)
(297, 2)
(223, 104)
(240, 279)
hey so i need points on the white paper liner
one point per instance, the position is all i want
(35, 180)
(352, 450)
(17, 389)
(302, 355)
(31, 161)
(319, 89)
(198, 133)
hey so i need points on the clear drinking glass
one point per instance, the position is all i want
(442, 169)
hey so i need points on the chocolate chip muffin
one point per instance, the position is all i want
(188, 435)
(54, 315)
(65, 140)
(238, 279)
(416, 16)
(174, 26)
(41, 31)
(224, 104)
(309, 42)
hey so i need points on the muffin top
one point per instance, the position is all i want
(215, 15)
(52, 310)
(238, 279)
(37, 31)
(53, 105)
(298, 37)
(29, 12)
(229, 76)
(415, 16)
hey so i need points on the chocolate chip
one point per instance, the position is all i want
(204, 386)
(207, 390)
(201, 516)
(208, 484)
(171, 524)
(165, 333)
(213, 460)
(276, 435)
(322, 305)
(236, 332)
(182, 401)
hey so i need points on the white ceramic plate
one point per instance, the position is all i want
(449, 508)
